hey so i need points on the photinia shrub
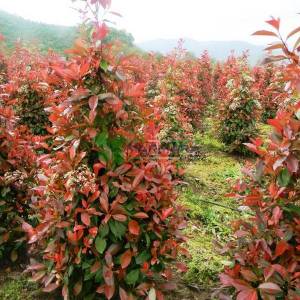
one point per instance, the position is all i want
(18, 147)
(271, 89)
(181, 86)
(239, 110)
(265, 253)
(108, 219)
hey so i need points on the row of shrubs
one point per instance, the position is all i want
(265, 251)
(83, 175)
(84, 168)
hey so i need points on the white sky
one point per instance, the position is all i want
(203, 20)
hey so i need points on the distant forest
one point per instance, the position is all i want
(46, 36)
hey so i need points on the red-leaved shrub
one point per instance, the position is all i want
(105, 202)
(265, 252)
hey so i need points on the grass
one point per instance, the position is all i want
(209, 224)
(17, 287)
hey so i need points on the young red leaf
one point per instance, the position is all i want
(100, 32)
(141, 215)
(248, 275)
(120, 217)
(86, 219)
(50, 288)
(281, 247)
(274, 22)
(105, 3)
(167, 212)
(265, 32)
(77, 288)
(138, 178)
(93, 102)
(73, 149)
(270, 288)
(109, 291)
(95, 267)
(104, 202)
(293, 32)
(134, 227)
(126, 259)
(250, 294)
(274, 47)
(123, 294)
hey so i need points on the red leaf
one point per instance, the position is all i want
(109, 291)
(77, 288)
(105, 3)
(73, 149)
(247, 295)
(138, 178)
(63, 224)
(292, 164)
(226, 280)
(181, 267)
(123, 169)
(93, 102)
(265, 32)
(274, 47)
(123, 294)
(95, 267)
(100, 32)
(97, 167)
(134, 227)
(141, 215)
(296, 30)
(281, 247)
(94, 196)
(167, 212)
(119, 217)
(248, 275)
(126, 259)
(86, 219)
(50, 288)
(65, 292)
(36, 267)
(84, 68)
(104, 202)
(274, 22)
(93, 231)
(277, 213)
(270, 288)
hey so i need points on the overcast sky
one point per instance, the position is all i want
(150, 19)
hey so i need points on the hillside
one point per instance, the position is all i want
(47, 36)
(217, 49)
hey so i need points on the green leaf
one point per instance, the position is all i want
(100, 244)
(103, 230)
(292, 208)
(117, 228)
(101, 139)
(142, 257)
(104, 65)
(117, 144)
(284, 178)
(132, 277)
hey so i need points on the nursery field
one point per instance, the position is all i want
(132, 175)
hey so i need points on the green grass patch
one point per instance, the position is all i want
(209, 225)
(16, 286)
